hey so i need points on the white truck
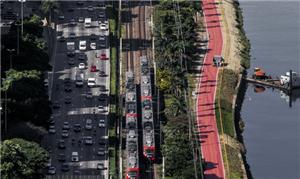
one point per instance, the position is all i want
(87, 22)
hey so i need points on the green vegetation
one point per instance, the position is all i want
(174, 51)
(22, 159)
(23, 79)
(225, 94)
(244, 41)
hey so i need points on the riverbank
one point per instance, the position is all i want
(236, 52)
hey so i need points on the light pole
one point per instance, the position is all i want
(18, 37)
(10, 56)
(22, 14)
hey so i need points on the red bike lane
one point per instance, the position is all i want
(206, 119)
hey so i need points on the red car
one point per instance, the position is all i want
(103, 56)
(93, 68)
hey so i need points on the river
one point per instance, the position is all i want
(272, 128)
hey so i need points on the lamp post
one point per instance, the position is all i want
(22, 14)
(18, 37)
(10, 56)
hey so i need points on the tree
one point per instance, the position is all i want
(48, 7)
(21, 159)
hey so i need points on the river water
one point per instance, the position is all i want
(272, 128)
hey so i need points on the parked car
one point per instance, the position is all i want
(77, 127)
(51, 170)
(81, 66)
(66, 126)
(93, 68)
(82, 45)
(88, 124)
(93, 46)
(51, 129)
(88, 140)
(65, 167)
(61, 157)
(61, 144)
(65, 133)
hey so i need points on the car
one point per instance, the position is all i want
(65, 167)
(61, 38)
(101, 123)
(131, 108)
(75, 157)
(103, 26)
(70, 9)
(102, 37)
(79, 3)
(101, 151)
(102, 74)
(88, 124)
(93, 68)
(81, 19)
(93, 46)
(101, 5)
(146, 92)
(66, 126)
(71, 61)
(56, 105)
(51, 121)
(90, 8)
(68, 100)
(61, 144)
(100, 166)
(67, 81)
(93, 37)
(77, 127)
(61, 157)
(102, 44)
(103, 56)
(102, 141)
(68, 87)
(145, 79)
(61, 17)
(65, 133)
(103, 97)
(101, 14)
(72, 35)
(101, 108)
(81, 66)
(147, 104)
(51, 129)
(147, 114)
(82, 45)
(91, 82)
(51, 170)
(71, 54)
(102, 88)
(72, 22)
(76, 172)
(81, 56)
(88, 140)
(89, 95)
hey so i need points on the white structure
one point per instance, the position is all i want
(285, 79)
(87, 22)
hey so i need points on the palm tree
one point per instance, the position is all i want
(48, 7)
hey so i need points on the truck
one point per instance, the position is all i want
(87, 22)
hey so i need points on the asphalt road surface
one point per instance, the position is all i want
(81, 108)
(206, 119)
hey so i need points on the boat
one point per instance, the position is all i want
(285, 79)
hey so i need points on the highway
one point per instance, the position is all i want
(82, 106)
(206, 119)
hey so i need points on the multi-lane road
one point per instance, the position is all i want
(77, 105)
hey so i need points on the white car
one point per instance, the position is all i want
(81, 66)
(91, 82)
(101, 109)
(82, 45)
(81, 19)
(75, 157)
(103, 26)
(51, 170)
(88, 140)
(93, 45)
(101, 123)
(52, 130)
(88, 124)
(65, 133)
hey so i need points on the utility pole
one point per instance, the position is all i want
(10, 56)
(22, 14)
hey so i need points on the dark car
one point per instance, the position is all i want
(68, 100)
(102, 74)
(102, 141)
(61, 157)
(71, 61)
(72, 35)
(101, 14)
(70, 54)
(68, 88)
(61, 144)
(56, 105)
(102, 88)
(72, 22)
(81, 56)
(77, 127)
(147, 104)
(93, 37)
(65, 167)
